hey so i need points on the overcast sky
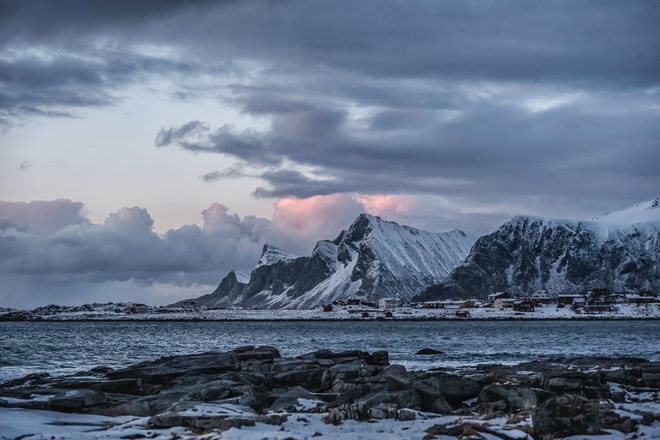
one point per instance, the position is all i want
(148, 147)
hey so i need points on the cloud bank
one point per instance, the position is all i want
(51, 253)
(482, 101)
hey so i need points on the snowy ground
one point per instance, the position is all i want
(102, 312)
(47, 425)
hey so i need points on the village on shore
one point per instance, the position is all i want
(596, 304)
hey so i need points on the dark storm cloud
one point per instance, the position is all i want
(477, 99)
(491, 149)
(58, 85)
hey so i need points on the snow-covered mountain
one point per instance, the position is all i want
(372, 259)
(618, 251)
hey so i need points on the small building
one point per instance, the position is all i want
(498, 295)
(541, 297)
(388, 303)
(640, 299)
(433, 305)
(139, 308)
(504, 303)
(462, 314)
(579, 302)
(523, 305)
(570, 299)
(327, 308)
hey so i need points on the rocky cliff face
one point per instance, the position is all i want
(618, 251)
(370, 260)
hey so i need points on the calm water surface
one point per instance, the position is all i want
(67, 347)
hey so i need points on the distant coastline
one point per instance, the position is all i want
(630, 313)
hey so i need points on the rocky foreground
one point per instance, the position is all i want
(255, 385)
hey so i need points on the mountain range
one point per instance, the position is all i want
(375, 259)
(370, 260)
(618, 251)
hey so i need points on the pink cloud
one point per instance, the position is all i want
(389, 206)
(301, 222)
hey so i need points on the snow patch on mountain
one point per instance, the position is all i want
(645, 212)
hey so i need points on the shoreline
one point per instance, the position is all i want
(137, 313)
(332, 319)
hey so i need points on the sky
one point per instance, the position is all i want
(148, 148)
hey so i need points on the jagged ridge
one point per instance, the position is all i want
(370, 260)
(618, 251)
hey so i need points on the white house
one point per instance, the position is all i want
(388, 303)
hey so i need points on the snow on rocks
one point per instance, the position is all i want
(253, 392)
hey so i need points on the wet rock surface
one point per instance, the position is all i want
(548, 399)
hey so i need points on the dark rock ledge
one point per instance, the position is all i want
(547, 399)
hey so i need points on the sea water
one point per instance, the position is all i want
(60, 348)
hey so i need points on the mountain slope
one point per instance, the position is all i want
(370, 260)
(618, 251)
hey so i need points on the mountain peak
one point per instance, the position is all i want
(373, 258)
(271, 255)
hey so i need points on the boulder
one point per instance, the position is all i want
(431, 399)
(293, 400)
(454, 388)
(353, 393)
(397, 378)
(565, 415)
(393, 399)
(215, 390)
(515, 397)
(429, 351)
(75, 400)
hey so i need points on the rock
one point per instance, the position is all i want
(74, 400)
(344, 372)
(259, 353)
(290, 401)
(569, 414)
(454, 388)
(424, 351)
(150, 405)
(431, 399)
(377, 413)
(591, 384)
(406, 414)
(29, 380)
(563, 384)
(516, 398)
(394, 399)
(215, 390)
(352, 394)
(397, 378)
(380, 358)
